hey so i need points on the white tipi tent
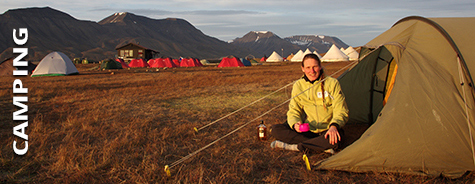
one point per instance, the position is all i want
(352, 53)
(342, 49)
(297, 57)
(316, 53)
(307, 52)
(274, 57)
(334, 55)
(55, 63)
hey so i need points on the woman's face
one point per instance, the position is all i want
(311, 68)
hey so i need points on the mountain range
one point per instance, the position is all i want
(52, 30)
(266, 42)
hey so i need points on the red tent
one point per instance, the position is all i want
(176, 61)
(138, 63)
(162, 63)
(121, 61)
(230, 61)
(168, 62)
(152, 62)
(263, 59)
(190, 62)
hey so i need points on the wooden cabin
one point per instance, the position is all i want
(131, 51)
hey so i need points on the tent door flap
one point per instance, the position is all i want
(378, 82)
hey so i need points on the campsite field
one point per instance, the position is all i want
(124, 126)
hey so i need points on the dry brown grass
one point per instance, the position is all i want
(99, 127)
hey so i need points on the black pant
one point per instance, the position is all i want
(307, 141)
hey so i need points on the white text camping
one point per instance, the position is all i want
(20, 39)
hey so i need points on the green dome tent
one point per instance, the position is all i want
(414, 82)
(110, 64)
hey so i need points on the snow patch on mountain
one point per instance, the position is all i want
(261, 32)
(300, 42)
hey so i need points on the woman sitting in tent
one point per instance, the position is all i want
(316, 114)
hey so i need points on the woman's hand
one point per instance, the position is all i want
(297, 127)
(333, 135)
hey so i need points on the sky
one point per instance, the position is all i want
(354, 22)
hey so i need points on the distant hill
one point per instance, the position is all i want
(319, 43)
(265, 42)
(52, 30)
(171, 37)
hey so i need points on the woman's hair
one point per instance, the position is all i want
(313, 56)
(322, 75)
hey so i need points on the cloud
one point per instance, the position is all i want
(167, 12)
(355, 22)
(220, 12)
(142, 12)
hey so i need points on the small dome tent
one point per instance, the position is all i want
(138, 63)
(190, 62)
(230, 61)
(263, 59)
(152, 62)
(177, 62)
(246, 62)
(54, 64)
(162, 63)
(121, 61)
(110, 64)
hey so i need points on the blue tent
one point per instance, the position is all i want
(246, 62)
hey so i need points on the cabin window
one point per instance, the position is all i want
(130, 53)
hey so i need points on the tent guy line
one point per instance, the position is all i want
(252, 103)
(168, 167)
